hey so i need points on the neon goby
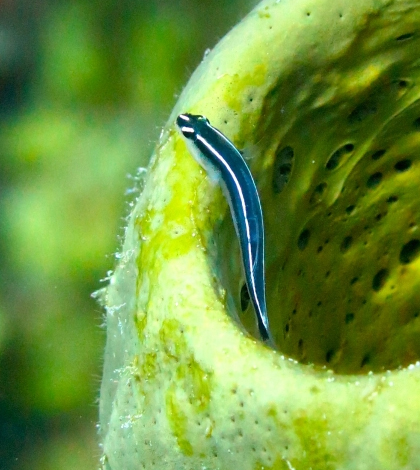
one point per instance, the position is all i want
(223, 161)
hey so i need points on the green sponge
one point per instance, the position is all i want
(323, 98)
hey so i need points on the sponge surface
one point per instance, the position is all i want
(323, 98)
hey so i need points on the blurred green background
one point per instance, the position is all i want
(84, 88)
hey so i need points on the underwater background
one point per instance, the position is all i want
(84, 88)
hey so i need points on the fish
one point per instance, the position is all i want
(224, 164)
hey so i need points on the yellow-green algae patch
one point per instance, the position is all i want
(324, 101)
(188, 395)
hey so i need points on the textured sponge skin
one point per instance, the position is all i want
(323, 98)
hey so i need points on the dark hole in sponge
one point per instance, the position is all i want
(379, 279)
(378, 154)
(410, 251)
(303, 239)
(403, 165)
(318, 192)
(349, 318)
(282, 169)
(365, 360)
(350, 209)
(245, 299)
(405, 36)
(300, 346)
(392, 199)
(336, 158)
(374, 180)
(329, 355)
(346, 243)
(416, 124)
(361, 112)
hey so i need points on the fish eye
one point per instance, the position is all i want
(203, 118)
